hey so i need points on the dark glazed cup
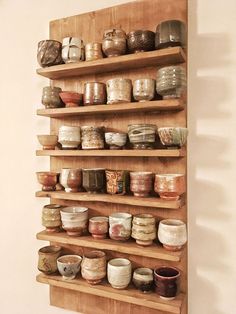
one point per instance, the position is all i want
(94, 180)
(140, 40)
(94, 93)
(167, 280)
(49, 53)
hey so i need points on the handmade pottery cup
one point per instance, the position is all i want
(71, 99)
(48, 180)
(74, 220)
(69, 266)
(172, 136)
(51, 98)
(144, 89)
(69, 137)
(170, 33)
(49, 53)
(93, 51)
(170, 186)
(48, 141)
(98, 227)
(120, 226)
(117, 181)
(143, 279)
(72, 50)
(115, 140)
(114, 42)
(74, 180)
(144, 229)
(172, 233)
(119, 272)
(141, 183)
(47, 259)
(64, 178)
(167, 282)
(51, 217)
(93, 267)
(94, 180)
(142, 136)
(140, 40)
(94, 93)
(92, 137)
(119, 90)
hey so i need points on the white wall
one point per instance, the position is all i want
(212, 215)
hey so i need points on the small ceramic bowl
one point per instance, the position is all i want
(172, 136)
(74, 220)
(69, 137)
(141, 183)
(93, 267)
(119, 272)
(115, 140)
(142, 136)
(170, 186)
(98, 227)
(48, 141)
(140, 40)
(69, 266)
(51, 217)
(48, 180)
(120, 226)
(47, 260)
(143, 279)
(71, 99)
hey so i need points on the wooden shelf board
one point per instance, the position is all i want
(155, 202)
(126, 62)
(129, 247)
(129, 295)
(151, 106)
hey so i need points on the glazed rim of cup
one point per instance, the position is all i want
(144, 216)
(48, 173)
(120, 215)
(140, 173)
(171, 21)
(143, 271)
(171, 127)
(47, 135)
(69, 259)
(95, 254)
(144, 79)
(93, 169)
(116, 133)
(49, 40)
(50, 249)
(119, 262)
(172, 222)
(53, 206)
(99, 219)
(142, 125)
(162, 272)
(119, 79)
(169, 175)
(74, 210)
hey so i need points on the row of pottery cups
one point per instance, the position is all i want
(99, 180)
(94, 268)
(171, 233)
(115, 42)
(141, 136)
(170, 83)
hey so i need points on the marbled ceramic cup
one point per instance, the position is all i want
(173, 136)
(93, 267)
(144, 89)
(98, 227)
(69, 266)
(170, 186)
(48, 180)
(115, 140)
(167, 282)
(119, 272)
(141, 183)
(143, 279)
(51, 217)
(49, 53)
(142, 136)
(69, 137)
(74, 220)
(144, 229)
(47, 259)
(120, 226)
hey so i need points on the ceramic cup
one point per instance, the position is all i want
(143, 279)
(69, 137)
(141, 183)
(94, 93)
(172, 233)
(170, 186)
(69, 266)
(98, 227)
(114, 42)
(74, 220)
(142, 136)
(144, 229)
(49, 53)
(49, 142)
(48, 180)
(94, 180)
(119, 90)
(92, 137)
(51, 217)
(93, 267)
(115, 140)
(64, 178)
(140, 40)
(172, 136)
(71, 99)
(71, 179)
(51, 97)
(73, 50)
(47, 259)
(167, 280)
(144, 89)
(117, 181)
(120, 226)
(93, 51)
(119, 272)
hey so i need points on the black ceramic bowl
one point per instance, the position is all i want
(140, 40)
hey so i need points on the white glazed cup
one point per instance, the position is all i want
(74, 220)
(69, 137)
(119, 272)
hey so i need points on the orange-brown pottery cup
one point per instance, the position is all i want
(48, 180)
(93, 267)
(98, 227)
(71, 99)
(141, 183)
(170, 186)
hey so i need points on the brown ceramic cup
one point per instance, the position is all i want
(93, 267)
(170, 186)
(140, 40)
(48, 180)
(94, 93)
(167, 282)
(141, 183)
(98, 227)
(49, 53)
(94, 180)
(74, 180)
(47, 261)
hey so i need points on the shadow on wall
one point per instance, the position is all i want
(207, 53)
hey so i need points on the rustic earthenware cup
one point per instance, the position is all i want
(142, 136)
(49, 53)
(143, 279)
(119, 90)
(93, 267)
(93, 51)
(92, 137)
(144, 229)
(73, 50)
(114, 42)
(172, 136)
(51, 98)
(115, 140)
(48, 180)
(119, 272)
(48, 141)
(63, 178)
(117, 181)
(69, 137)
(51, 217)
(74, 180)
(94, 93)
(71, 99)
(98, 227)
(167, 282)
(172, 233)
(69, 266)
(144, 89)
(120, 226)
(170, 33)
(74, 220)
(47, 260)
(170, 186)
(141, 183)
(94, 180)
(140, 40)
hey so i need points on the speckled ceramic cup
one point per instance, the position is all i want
(170, 186)
(93, 267)
(144, 89)
(114, 42)
(140, 41)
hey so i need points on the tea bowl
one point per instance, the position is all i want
(94, 93)
(48, 141)
(167, 282)
(144, 89)
(94, 180)
(74, 220)
(47, 259)
(143, 279)
(173, 136)
(170, 186)
(71, 99)
(120, 226)
(51, 217)
(71, 179)
(93, 267)
(141, 183)
(117, 181)
(115, 140)
(140, 40)
(119, 90)
(142, 136)
(144, 229)
(114, 42)
(172, 233)
(69, 137)
(49, 53)
(119, 272)
(69, 266)
(98, 227)
(48, 180)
